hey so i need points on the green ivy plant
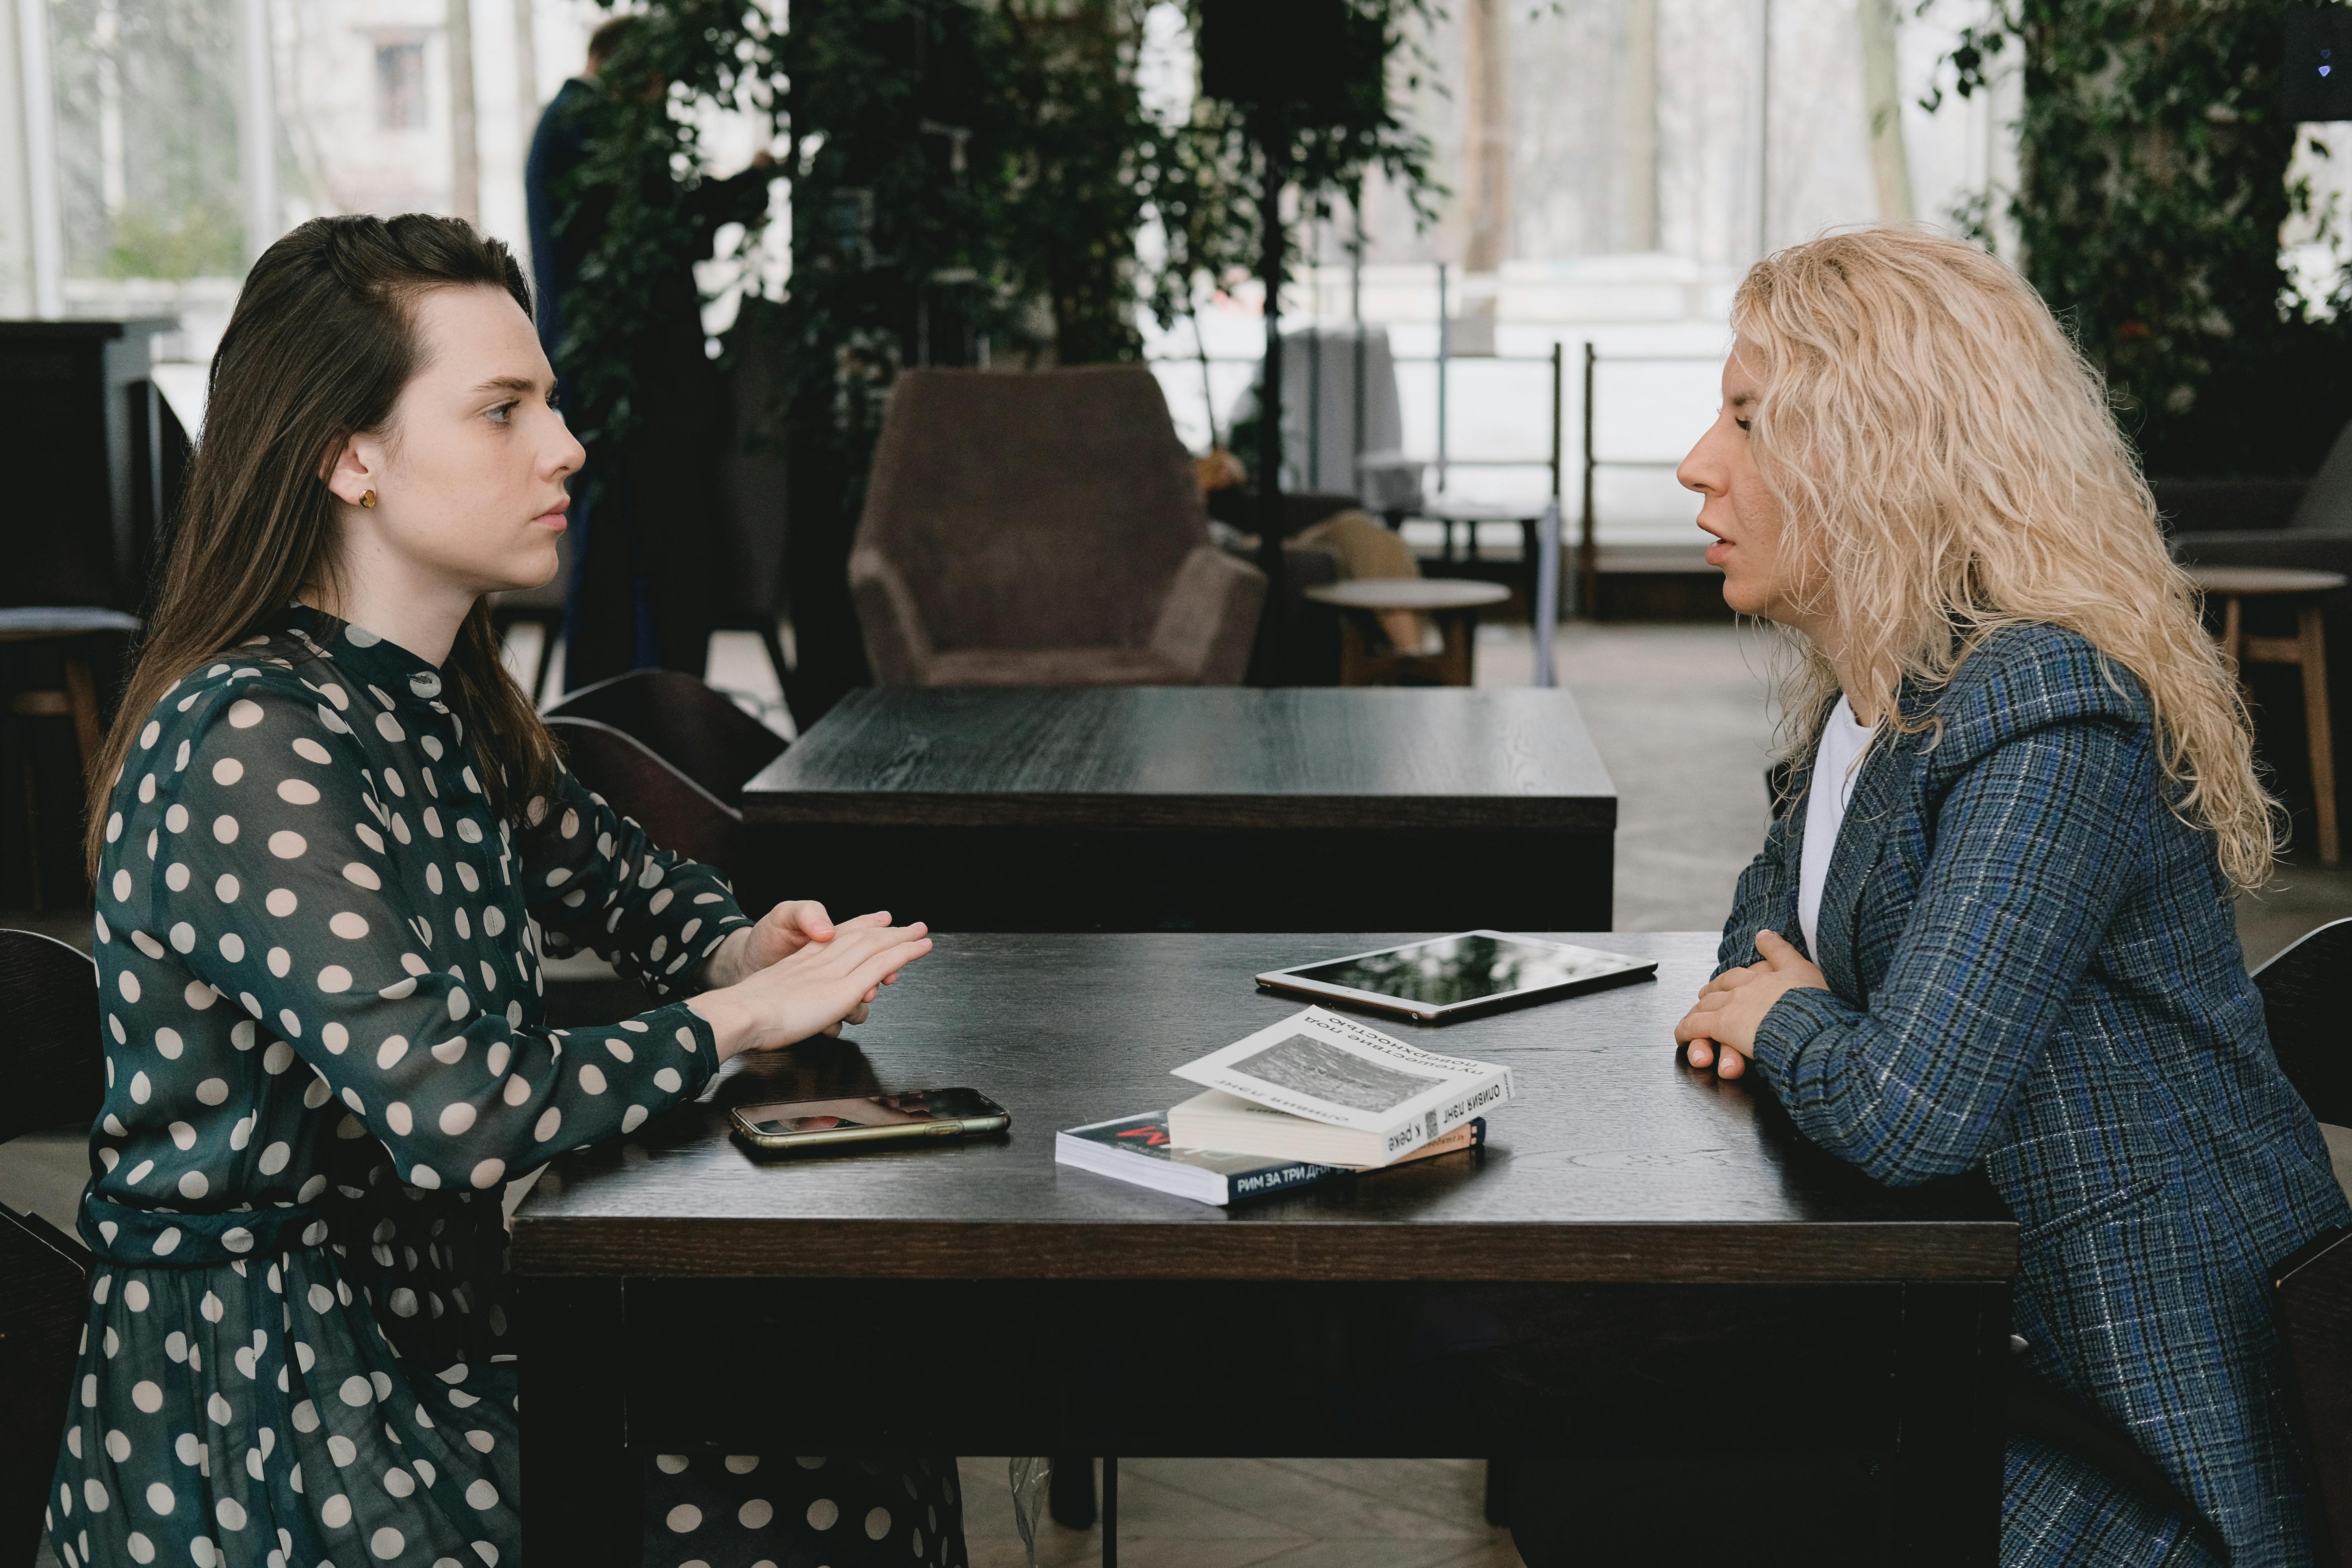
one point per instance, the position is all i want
(2152, 188)
(994, 162)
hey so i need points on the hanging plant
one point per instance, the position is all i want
(2153, 163)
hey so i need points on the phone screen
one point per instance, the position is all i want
(870, 1111)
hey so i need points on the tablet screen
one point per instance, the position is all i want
(1452, 969)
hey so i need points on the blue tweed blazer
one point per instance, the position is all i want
(2034, 969)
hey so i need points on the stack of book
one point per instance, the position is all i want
(1314, 1097)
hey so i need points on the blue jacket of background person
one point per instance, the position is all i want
(2034, 969)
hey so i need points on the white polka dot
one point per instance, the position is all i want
(224, 889)
(387, 1544)
(355, 1391)
(592, 1078)
(244, 713)
(93, 1495)
(483, 1496)
(755, 1514)
(425, 1176)
(227, 770)
(175, 877)
(237, 1239)
(218, 1408)
(134, 1296)
(183, 937)
(334, 978)
(667, 1080)
(549, 1120)
(277, 1058)
(399, 1482)
(169, 1045)
(140, 1089)
(336, 1511)
(341, 1450)
(823, 1513)
(670, 1464)
(287, 844)
(230, 1513)
(281, 903)
(225, 828)
(742, 1464)
(298, 792)
(193, 1185)
(633, 1118)
(310, 751)
(147, 736)
(489, 1172)
(456, 1118)
(280, 962)
(347, 925)
(160, 1498)
(185, 1446)
(877, 1524)
(232, 947)
(213, 1090)
(397, 1116)
(273, 1158)
(127, 984)
(517, 1089)
(118, 1447)
(684, 1518)
(142, 1549)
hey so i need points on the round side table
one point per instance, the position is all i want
(1452, 602)
(2306, 650)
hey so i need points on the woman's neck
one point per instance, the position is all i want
(415, 608)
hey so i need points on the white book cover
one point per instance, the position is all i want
(1329, 1069)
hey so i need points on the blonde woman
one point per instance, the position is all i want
(1992, 927)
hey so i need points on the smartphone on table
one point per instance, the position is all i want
(797, 1126)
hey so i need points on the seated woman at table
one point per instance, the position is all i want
(1991, 927)
(331, 840)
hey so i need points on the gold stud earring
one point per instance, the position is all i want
(368, 500)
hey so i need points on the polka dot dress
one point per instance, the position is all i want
(752, 1511)
(318, 954)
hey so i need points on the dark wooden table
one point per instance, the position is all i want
(1711, 1291)
(1168, 808)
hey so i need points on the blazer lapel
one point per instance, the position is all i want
(1862, 839)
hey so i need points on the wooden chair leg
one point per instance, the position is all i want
(2232, 635)
(1355, 656)
(1453, 664)
(2313, 659)
(81, 702)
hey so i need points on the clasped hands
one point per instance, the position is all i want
(1720, 1030)
(796, 974)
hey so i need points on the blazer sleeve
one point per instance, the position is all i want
(1765, 900)
(318, 940)
(592, 879)
(2031, 860)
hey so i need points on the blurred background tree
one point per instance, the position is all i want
(2153, 187)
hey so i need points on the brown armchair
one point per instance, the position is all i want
(1043, 528)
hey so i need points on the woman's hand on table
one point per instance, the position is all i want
(1720, 1030)
(814, 988)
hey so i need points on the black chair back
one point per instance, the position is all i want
(694, 730)
(678, 814)
(51, 1061)
(2305, 990)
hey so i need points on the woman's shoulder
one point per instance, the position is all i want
(2028, 676)
(204, 711)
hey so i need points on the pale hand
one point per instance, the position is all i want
(814, 989)
(1720, 1030)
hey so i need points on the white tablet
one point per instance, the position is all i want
(1449, 976)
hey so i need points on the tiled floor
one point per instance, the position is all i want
(1282, 1513)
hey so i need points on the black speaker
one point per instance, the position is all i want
(2319, 62)
(1310, 56)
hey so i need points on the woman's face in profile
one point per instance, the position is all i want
(1738, 509)
(469, 473)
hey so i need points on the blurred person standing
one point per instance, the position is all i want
(645, 546)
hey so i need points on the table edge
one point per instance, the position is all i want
(1595, 812)
(1773, 1252)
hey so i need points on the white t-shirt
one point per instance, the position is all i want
(1836, 766)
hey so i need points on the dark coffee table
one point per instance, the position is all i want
(1713, 1291)
(1207, 808)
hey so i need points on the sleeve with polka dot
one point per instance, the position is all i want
(296, 905)
(595, 881)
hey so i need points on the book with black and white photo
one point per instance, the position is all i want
(1139, 1149)
(1323, 1087)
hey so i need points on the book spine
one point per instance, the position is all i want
(1279, 1179)
(1485, 1094)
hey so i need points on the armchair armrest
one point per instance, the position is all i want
(896, 643)
(1210, 617)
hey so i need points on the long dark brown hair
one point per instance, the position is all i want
(322, 343)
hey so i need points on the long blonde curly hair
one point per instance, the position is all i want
(1947, 464)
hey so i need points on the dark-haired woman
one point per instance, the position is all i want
(330, 842)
